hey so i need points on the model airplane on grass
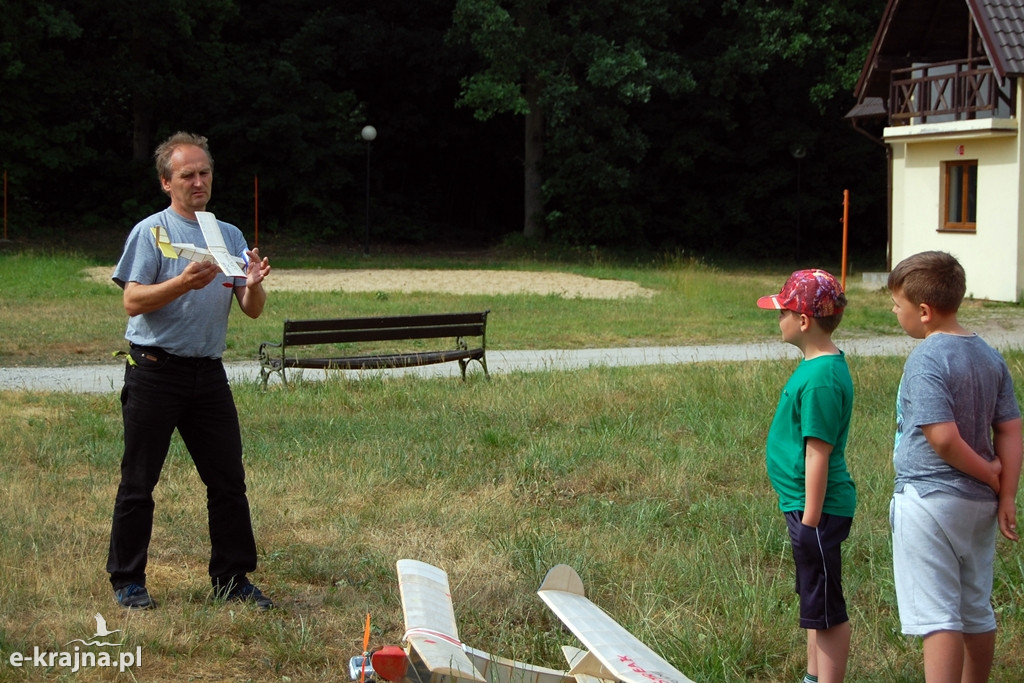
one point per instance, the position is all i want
(216, 251)
(614, 652)
(433, 652)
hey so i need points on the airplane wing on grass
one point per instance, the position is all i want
(433, 652)
(430, 621)
(615, 649)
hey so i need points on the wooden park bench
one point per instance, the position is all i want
(335, 338)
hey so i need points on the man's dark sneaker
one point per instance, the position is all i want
(134, 596)
(244, 592)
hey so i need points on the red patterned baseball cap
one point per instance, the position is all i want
(813, 292)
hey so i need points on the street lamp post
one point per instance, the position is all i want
(369, 133)
(798, 152)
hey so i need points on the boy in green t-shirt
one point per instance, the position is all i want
(806, 460)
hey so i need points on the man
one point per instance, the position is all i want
(174, 379)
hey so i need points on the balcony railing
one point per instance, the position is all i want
(949, 91)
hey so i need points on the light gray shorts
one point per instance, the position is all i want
(943, 548)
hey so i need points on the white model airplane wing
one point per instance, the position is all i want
(619, 651)
(430, 620)
(185, 250)
(216, 246)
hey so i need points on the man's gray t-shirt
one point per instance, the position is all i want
(950, 378)
(195, 324)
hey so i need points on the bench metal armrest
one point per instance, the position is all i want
(268, 363)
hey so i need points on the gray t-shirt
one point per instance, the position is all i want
(950, 378)
(195, 324)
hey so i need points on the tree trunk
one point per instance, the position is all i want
(140, 113)
(140, 132)
(533, 201)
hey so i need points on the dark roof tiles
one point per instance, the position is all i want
(1001, 23)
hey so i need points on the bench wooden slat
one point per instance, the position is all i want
(377, 322)
(381, 334)
(315, 332)
(406, 360)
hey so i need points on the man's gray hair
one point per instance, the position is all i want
(163, 153)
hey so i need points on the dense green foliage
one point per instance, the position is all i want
(661, 123)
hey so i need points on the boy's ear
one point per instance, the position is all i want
(805, 322)
(926, 312)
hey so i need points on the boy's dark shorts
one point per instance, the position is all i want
(818, 561)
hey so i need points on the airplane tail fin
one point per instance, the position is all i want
(163, 242)
(562, 577)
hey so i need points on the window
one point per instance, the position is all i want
(960, 195)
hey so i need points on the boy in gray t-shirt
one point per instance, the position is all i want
(957, 458)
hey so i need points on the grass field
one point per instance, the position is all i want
(649, 481)
(54, 314)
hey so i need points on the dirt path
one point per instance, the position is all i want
(566, 285)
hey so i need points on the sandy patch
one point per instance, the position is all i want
(566, 285)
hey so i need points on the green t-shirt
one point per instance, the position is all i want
(817, 401)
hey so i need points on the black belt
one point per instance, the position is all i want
(157, 354)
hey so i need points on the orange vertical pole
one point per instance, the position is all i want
(256, 210)
(846, 229)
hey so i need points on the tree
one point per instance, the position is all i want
(661, 123)
(83, 82)
(770, 77)
(36, 132)
(572, 71)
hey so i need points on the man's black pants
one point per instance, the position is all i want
(162, 392)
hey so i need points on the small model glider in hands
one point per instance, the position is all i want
(216, 251)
